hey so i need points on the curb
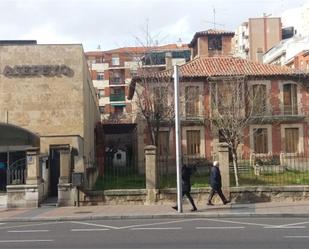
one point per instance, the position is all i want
(157, 216)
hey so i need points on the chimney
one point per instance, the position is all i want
(168, 60)
(259, 55)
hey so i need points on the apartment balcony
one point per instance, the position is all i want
(116, 81)
(117, 97)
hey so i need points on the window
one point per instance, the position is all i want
(260, 140)
(100, 76)
(214, 42)
(160, 100)
(118, 109)
(193, 142)
(115, 60)
(102, 109)
(290, 99)
(192, 100)
(291, 140)
(116, 80)
(259, 99)
(163, 143)
(101, 93)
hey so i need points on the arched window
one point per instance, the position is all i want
(290, 99)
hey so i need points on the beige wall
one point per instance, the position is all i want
(59, 109)
(264, 33)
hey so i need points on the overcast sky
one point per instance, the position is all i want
(118, 23)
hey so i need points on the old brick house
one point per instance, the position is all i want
(285, 124)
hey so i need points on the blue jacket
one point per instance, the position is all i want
(215, 178)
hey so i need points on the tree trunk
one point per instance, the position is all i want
(234, 154)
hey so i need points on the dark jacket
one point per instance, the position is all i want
(215, 178)
(186, 173)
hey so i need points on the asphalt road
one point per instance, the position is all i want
(240, 233)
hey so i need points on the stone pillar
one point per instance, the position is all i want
(223, 151)
(65, 190)
(151, 174)
(65, 164)
(33, 167)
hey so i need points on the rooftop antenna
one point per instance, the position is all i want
(214, 23)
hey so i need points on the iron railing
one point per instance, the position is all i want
(278, 170)
(17, 172)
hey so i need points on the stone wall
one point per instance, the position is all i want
(200, 195)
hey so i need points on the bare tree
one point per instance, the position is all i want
(235, 104)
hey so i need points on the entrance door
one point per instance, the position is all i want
(54, 171)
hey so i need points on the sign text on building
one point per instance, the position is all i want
(38, 70)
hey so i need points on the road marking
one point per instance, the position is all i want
(284, 227)
(33, 224)
(294, 224)
(238, 222)
(220, 227)
(93, 224)
(297, 237)
(89, 229)
(156, 228)
(158, 223)
(28, 240)
(28, 231)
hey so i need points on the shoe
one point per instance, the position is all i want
(175, 207)
(226, 202)
(193, 209)
(209, 204)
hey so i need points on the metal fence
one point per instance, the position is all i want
(16, 172)
(277, 170)
(125, 175)
(167, 171)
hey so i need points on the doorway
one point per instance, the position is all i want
(54, 170)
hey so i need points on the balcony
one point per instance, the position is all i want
(117, 97)
(116, 81)
(287, 115)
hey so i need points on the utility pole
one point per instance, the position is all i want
(178, 139)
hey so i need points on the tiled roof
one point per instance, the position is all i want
(210, 32)
(207, 67)
(203, 67)
(139, 49)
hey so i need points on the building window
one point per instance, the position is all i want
(259, 99)
(260, 140)
(193, 142)
(290, 99)
(101, 93)
(163, 143)
(115, 60)
(118, 109)
(116, 80)
(214, 42)
(100, 76)
(192, 100)
(291, 140)
(102, 109)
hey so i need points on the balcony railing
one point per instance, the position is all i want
(116, 81)
(117, 97)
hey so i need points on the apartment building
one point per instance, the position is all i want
(255, 37)
(111, 74)
(112, 71)
(286, 51)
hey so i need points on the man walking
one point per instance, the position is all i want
(215, 183)
(186, 173)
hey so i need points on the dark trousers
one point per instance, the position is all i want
(212, 193)
(186, 193)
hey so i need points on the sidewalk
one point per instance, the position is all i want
(266, 209)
